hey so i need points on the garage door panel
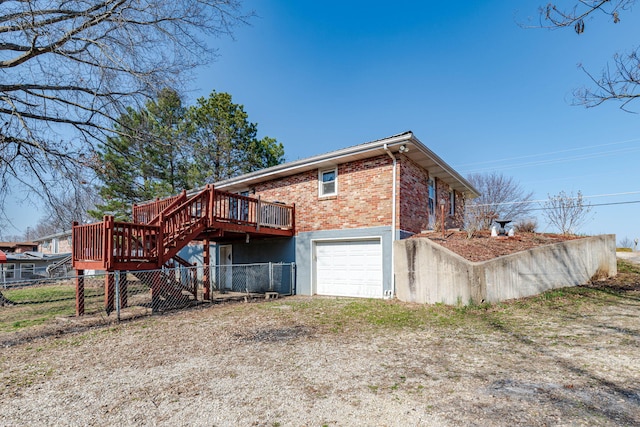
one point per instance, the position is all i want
(349, 268)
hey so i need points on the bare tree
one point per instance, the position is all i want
(566, 211)
(619, 80)
(626, 243)
(69, 67)
(500, 198)
(65, 209)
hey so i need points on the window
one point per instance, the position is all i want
(9, 271)
(328, 182)
(452, 203)
(27, 270)
(431, 189)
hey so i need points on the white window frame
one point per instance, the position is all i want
(321, 183)
(431, 196)
(27, 268)
(9, 271)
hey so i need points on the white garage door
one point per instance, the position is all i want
(349, 268)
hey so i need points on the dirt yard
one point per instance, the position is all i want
(569, 357)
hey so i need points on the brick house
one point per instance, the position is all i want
(350, 205)
(18, 247)
(59, 243)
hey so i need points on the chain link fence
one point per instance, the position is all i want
(108, 297)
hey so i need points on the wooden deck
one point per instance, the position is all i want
(160, 229)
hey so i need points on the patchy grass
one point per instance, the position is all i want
(39, 305)
(339, 315)
(41, 294)
(628, 267)
(42, 305)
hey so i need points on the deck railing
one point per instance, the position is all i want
(88, 242)
(184, 218)
(134, 242)
(107, 243)
(148, 213)
(276, 215)
(123, 241)
(235, 208)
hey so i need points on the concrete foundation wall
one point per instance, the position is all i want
(429, 273)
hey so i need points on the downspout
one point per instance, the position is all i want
(393, 221)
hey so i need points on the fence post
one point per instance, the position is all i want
(79, 292)
(293, 278)
(117, 293)
(271, 276)
(206, 281)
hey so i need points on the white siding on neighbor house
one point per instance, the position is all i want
(350, 268)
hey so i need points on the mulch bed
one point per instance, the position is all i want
(483, 247)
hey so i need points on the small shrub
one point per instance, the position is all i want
(526, 226)
(625, 243)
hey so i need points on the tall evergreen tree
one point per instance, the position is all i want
(224, 142)
(145, 160)
(164, 148)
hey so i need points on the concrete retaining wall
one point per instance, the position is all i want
(426, 272)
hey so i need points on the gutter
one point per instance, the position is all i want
(393, 220)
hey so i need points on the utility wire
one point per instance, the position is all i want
(590, 205)
(559, 160)
(568, 198)
(509, 159)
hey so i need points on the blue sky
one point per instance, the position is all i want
(481, 91)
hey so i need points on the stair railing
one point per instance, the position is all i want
(149, 213)
(191, 216)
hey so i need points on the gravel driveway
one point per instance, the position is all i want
(568, 358)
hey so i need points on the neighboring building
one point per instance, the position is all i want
(59, 243)
(27, 266)
(46, 257)
(350, 205)
(18, 247)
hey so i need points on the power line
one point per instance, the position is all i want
(591, 205)
(568, 198)
(508, 159)
(558, 160)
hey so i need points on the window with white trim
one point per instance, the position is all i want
(431, 194)
(26, 270)
(328, 182)
(8, 271)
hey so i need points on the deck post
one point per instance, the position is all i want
(258, 213)
(109, 291)
(122, 279)
(79, 293)
(160, 241)
(108, 242)
(212, 200)
(206, 282)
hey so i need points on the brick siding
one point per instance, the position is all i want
(363, 199)
(413, 196)
(364, 196)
